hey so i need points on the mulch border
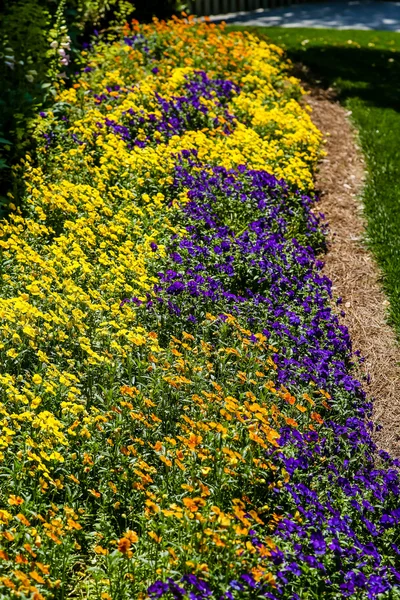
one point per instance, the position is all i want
(351, 267)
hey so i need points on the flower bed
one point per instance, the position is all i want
(179, 416)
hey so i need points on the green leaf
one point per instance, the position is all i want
(4, 141)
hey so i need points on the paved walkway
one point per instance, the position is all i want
(353, 14)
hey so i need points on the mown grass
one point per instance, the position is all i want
(364, 69)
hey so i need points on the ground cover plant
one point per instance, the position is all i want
(179, 415)
(363, 69)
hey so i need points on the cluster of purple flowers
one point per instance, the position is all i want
(193, 587)
(251, 250)
(200, 589)
(179, 113)
(138, 41)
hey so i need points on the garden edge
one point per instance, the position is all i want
(352, 268)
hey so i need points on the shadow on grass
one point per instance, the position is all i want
(370, 75)
(355, 69)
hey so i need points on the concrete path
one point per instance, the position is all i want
(353, 14)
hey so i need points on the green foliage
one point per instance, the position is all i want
(38, 40)
(23, 45)
(147, 9)
(94, 11)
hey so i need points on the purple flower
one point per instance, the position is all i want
(377, 585)
(249, 579)
(317, 542)
(158, 589)
(176, 288)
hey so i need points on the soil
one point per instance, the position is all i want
(351, 266)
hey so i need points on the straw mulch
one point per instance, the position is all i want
(350, 265)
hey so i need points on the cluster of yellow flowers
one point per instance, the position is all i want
(80, 441)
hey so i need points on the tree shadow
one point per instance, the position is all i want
(366, 73)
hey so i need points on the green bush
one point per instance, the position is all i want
(38, 41)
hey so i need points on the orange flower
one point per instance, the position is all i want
(310, 400)
(166, 460)
(74, 524)
(53, 537)
(44, 568)
(112, 486)
(24, 579)
(242, 376)
(187, 336)
(132, 536)
(124, 545)
(317, 417)
(289, 398)
(8, 583)
(28, 548)
(193, 503)
(155, 537)
(15, 500)
(38, 578)
(129, 391)
(23, 519)
(193, 441)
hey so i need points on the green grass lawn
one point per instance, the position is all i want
(364, 69)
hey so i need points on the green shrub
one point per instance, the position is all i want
(38, 40)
